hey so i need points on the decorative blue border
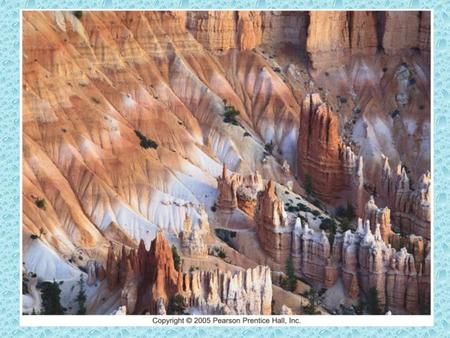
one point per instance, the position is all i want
(10, 169)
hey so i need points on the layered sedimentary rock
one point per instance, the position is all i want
(272, 229)
(238, 191)
(93, 83)
(424, 35)
(322, 156)
(411, 206)
(370, 262)
(210, 292)
(335, 36)
(143, 271)
(401, 31)
(227, 187)
(312, 256)
(193, 238)
(247, 193)
(378, 217)
(247, 292)
(363, 260)
(359, 194)
(222, 30)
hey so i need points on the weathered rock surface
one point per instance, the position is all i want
(411, 206)
(247, 292)
(285, 310)
(273, 232)
(378, 217)
(320, 148)
(91, 83)
(145, 271)
(193, 238)
(227, 187)
(335, 36)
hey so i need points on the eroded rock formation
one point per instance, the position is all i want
(227, 187)
(216, 292)
(210, 292)
(193, 238)
(378, 217)
(94, 83)
(273, 232)
(369, 262)
(323, 158)
(409, 203)
(143, 271)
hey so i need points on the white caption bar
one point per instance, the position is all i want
(190, 320)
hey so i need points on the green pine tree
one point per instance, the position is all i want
(176, 305)
(81, 297)
(372, 302)
(176, 257)
(290, 282)
(51, 298)
(313, 299)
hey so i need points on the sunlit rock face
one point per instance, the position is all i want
(142, 271)
(319, 147)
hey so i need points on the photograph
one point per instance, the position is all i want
(226, 163)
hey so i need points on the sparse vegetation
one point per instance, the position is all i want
(81, 297)
(25, 279)
(290, 281)
(221, 253)
(269, 147)
(40, 203)
(345, 225)
(230, 114)
(313, 298)
(308, 184)
(359, 308)
(176, 305)
(41, 232)
(95, 100)
(146, 142)
(51, 298)
(329, 225)
(347, 212)
(78, 14)
(317, 203)
(214, 207)
(247, 134)
(395, 113)
(176, 257)
(372, 302)
(342, 99)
